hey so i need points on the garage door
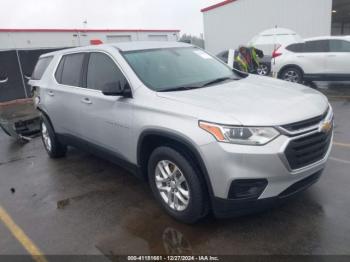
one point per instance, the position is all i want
(11, 83)
(158, 37)
(118, 38)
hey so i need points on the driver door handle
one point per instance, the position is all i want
(86, 101)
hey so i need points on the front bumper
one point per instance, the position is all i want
(226, 163)
(229, 208)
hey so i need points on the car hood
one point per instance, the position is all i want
(254, 101)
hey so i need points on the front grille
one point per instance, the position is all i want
(307, 150)
(305, 123)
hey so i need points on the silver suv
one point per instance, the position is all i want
(205, 137)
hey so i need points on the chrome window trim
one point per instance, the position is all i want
(60, 56)
(328, 117)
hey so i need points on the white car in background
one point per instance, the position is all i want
(315, 59)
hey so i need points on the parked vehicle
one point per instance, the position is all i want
(270, 39)
(264, 68)
(18, 116)
(204, 136)
(315, 59)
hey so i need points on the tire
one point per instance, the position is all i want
(54, 148)
(263, 69)
(196, 206)
(292, 74)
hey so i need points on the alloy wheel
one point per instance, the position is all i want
(263, 70)
(172, 185)
(291, 76)
(46, 137)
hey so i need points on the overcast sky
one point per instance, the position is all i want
(123, 14)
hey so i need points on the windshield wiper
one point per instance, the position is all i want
(218, 80)
(179, 88)
(211, 82)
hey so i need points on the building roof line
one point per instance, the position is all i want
(61, 30)
(217, 5)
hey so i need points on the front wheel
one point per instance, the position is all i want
(292, 74)
(263, 69)
(177, 185)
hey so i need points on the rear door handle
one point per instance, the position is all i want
(51, 93)
(86, 101)
(332, 55)
(301, 56)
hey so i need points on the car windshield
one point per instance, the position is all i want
(172, 69)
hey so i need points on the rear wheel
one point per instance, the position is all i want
(53, 146)
(177, 185)
(292, 74)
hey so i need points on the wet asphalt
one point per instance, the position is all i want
(82, 204)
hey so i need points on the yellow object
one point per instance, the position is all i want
(18, 233)
(243, 64)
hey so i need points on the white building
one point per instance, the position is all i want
(234, 22)
(57, 38)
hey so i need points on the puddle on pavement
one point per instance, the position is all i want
(147, 230)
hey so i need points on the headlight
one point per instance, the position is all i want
(240, 134)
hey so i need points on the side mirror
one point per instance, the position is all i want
(120, 88)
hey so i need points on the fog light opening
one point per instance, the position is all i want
(247, 189)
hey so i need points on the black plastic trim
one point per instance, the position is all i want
(246, 184)
(223, 208)
(300, 185)
(180, 139)
(296, 126)
(327, 77)
(100, 151)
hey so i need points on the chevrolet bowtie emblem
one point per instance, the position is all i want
(325, 127)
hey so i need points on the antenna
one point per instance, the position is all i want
(85, 24)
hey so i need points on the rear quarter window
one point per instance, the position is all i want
(58, 73)
(296, 48)
(40, 67)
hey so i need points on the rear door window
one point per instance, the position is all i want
(40, 67)
(72, 69)
(339, 46)
(102, 70)
(318, 46)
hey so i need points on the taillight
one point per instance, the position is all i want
(275, 52)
